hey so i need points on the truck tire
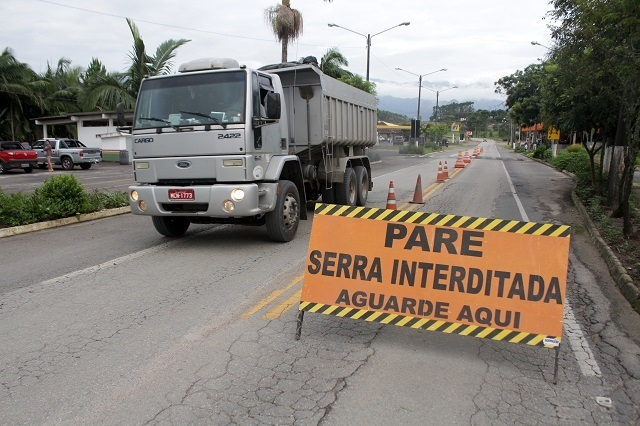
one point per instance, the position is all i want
(282, 223)
(347, 191)
(171, 226)
(85, 166)
(67, 163)
(28, 169)
(362, 180)
(3, 168)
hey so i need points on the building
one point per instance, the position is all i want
(95, 130)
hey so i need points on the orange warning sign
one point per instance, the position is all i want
(489, 273)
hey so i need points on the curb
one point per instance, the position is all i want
(619, 274)
(16, 230)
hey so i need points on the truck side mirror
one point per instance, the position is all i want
(120, 114)
(273, 106)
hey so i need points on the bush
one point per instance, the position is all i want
(542, 152)
(19, 209)
(60, 196)
(63, 196)
(575, 148)
(107, 200)
(411, 149)
(576, 162)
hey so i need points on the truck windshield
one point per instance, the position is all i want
(216, 98)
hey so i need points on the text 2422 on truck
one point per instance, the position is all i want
(222, 143)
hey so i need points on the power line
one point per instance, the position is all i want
(165, 25)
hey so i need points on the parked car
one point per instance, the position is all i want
(14, 156)
(67, 153)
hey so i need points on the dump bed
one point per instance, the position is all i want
(322, 109)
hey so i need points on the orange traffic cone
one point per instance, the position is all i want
(440, 176)
(417, 194)
(475, 152)
(460, 162)
(466, 159)
(391, 198)
(445, 172)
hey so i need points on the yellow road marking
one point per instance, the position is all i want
(272, 297)
(283, 307)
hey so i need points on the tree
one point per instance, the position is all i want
(608, 32)
(523, 94)
(286, 24)
(357, 81)
(63, 86)
(332, 62)
(20, 96)
(104, 91)
(453, 112)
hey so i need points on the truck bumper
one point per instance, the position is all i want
(208, 201)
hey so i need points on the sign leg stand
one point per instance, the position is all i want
(555, 368)
(299, 325)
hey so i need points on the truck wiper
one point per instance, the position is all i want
(201, 114)
(162, 120)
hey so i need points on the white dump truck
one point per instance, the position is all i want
(222, 143)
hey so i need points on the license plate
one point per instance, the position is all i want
(181, 195)
(24, 165)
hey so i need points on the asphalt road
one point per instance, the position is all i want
(108, 322)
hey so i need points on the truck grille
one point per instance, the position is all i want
(186, 182)
(185, 207)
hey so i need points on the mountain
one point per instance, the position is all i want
(409, 106)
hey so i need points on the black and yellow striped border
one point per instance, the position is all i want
(449, 220)
(428, 324)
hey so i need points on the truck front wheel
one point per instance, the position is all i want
(171, 226)
(347, 191)
(282, 223)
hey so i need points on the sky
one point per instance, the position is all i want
(478, 42)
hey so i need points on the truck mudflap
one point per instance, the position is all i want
(216, 201)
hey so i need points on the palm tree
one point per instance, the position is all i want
(63, 87)
(104, 90)
(20, 97)
(286, 24)
(332, 62)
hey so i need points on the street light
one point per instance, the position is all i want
(420, 84)
(438, 96)
(369, 37)
(535, 43)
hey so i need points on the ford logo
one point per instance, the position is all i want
(183, 164)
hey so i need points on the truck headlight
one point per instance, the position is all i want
(142, 205)
(237, 194)
(232, 162)
(141, 165)
(228, 206)
(134, 195)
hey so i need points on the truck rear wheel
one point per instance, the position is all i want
(347, 191)
(362, 180)
(171, 226)
(282, 223)
(85, 166)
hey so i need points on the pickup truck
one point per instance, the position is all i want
(67, 153)
(14, 156)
